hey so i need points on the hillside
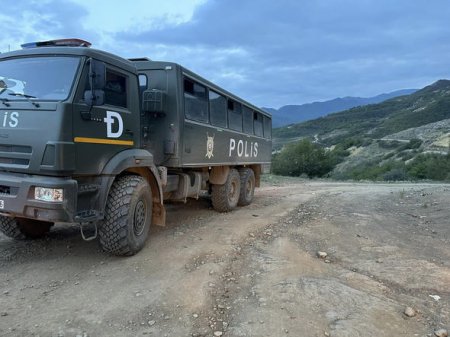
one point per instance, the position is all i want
(428, 105)
(407, 136)
(290, 114)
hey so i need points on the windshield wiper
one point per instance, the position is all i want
(27, 97)
(5, 101)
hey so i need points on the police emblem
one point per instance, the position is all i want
(209, 146)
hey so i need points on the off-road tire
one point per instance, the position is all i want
(21, 228)
(10, 227)
(247, 186)
(128, 216)
(225, 197)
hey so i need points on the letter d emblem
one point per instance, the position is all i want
(110, 119)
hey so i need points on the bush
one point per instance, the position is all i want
(395, 174)
(414, 143)
(391, 170)
(302, 157)
(430, 166)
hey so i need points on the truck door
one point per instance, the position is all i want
(160, 129)
(103, 130)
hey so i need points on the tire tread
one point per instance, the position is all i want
(245, 174)
(113, 231)
(219, 193)
(10, 227)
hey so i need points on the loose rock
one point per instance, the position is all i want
(218, 333)
(410, 312)
(322, 255)
(441, 333)
(435, 297)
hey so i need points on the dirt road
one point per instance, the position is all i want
(252, 272)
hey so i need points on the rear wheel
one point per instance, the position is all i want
(128, 216)
(247, 186)
(21, 228)
(225, 197)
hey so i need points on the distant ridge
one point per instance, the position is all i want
(428, 105)
(290, 114)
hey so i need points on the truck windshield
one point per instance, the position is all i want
(45, 78)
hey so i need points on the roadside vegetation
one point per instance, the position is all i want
(307, 159)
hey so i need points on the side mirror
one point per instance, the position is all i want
(97, 79)
(94, 97)
(97, 74)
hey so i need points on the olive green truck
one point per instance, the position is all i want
(91, 138)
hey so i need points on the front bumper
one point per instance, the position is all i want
(17, 197)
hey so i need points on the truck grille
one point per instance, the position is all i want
(15, 155)
(5, 189)
(8, 190)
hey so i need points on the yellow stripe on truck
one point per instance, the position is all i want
(103, 141)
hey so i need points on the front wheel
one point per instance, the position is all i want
(225, 197)
(128, 216)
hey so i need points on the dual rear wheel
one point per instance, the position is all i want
(239, 189)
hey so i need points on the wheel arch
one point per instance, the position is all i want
(219, 174)
(138, 162)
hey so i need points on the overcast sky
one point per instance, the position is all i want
(271, 53)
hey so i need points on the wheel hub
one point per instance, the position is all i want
(140, 217)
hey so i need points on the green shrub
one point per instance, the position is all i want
(303, 157)
(391, 170)
(406, 155)
(395, 174)
(430, 166)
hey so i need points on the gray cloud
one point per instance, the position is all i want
(298, 51)
(272, 52)
(40, 20)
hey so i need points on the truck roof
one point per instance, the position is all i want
(146, 64)
(76, 51)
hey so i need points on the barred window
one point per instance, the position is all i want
(195, 101)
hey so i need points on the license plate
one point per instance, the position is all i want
(2, 204)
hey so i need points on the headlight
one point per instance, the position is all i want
(49, 194)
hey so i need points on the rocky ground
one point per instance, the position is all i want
(305, 259)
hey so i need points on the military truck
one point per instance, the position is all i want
(91, 138)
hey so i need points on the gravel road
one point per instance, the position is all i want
(306, 258)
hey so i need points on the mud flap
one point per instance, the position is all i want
(159, 214)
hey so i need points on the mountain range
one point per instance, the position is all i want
(290, 114)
